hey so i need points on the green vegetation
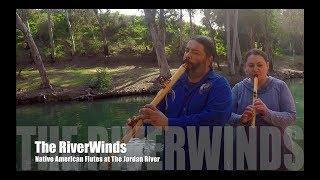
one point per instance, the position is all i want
(129, 36)
(65, 78)
(101, 79)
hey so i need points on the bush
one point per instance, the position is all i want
(59, 51)
(101, 80)
(221, 48)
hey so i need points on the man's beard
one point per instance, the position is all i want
(192, 66)
(195, 66)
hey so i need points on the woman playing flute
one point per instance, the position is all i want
(274, 105)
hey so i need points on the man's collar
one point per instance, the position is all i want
(210, 75)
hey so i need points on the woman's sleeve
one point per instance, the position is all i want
(287, 114)
(234, 118)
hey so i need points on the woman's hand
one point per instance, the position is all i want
(260, 107)
(247, 115)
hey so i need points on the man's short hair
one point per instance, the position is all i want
(207, 44)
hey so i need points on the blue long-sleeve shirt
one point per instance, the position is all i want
(205, 103)
(275, 94)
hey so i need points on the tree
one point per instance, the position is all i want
(73, 47)
(291, 30)
(251, 36)
(157, 42)
(236, 44)
(45, 83)
(175, 31)
(229, 49)
(249, 19)
(191, 13)
(268, 29)
(50, 24)
(181, 49)
(24, 14)
(162, 27)
(212, 32)
(265, 40)
(103, 32)
(233, 47)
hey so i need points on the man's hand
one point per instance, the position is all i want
(163, 81)
(260, 107)
(151, 115)
(132, 121)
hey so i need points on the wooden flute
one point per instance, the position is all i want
(157, 99)
(254, 97)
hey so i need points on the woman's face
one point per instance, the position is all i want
(256, 66)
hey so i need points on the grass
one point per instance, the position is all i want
(72, 77)
(66, 78)
(287, 62)
(122, 76)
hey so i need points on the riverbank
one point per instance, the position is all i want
(135, 77)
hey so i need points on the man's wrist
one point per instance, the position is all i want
(166, 123)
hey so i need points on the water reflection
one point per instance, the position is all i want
(139, 148)
(107, 113)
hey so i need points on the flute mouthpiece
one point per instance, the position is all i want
(187, 62)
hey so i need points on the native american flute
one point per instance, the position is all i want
(254, 97)
(157, 99)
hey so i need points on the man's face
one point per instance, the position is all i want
(195, 54)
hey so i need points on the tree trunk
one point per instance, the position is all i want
(73, 47)
(237, 43)
(162, 27)
(216, 59)
(103, 32)
(240, 61)
(25, 17)
(19, 74)
(191, 25)
(45, 83)
(157, 43)
(181, 49)
(212, 33)
(28, 26)
(267, 49)
(228, 29)
(251, 38)
(266, 43)
(52, 56)
(234, 38)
